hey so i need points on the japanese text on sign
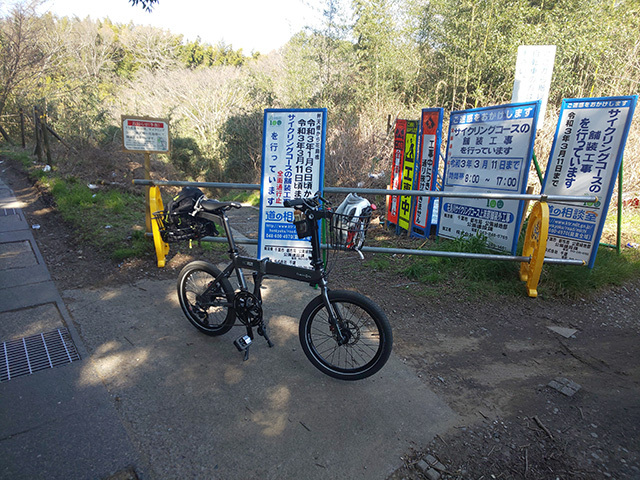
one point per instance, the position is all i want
(145, 134)
(292, 167)
(534, 68)
(489, 150)
(404, 213)
(426, 168)
(585, 159)
(396, 168)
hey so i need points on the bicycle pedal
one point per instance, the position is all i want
(242, 343)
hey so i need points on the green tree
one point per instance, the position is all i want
(24, 56)
(468, 49)
(196, 54)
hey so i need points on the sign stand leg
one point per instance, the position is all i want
(535, 246)
(147, 176)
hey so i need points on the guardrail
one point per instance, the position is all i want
(379, 191)
(535, 238)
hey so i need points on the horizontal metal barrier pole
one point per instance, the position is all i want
(180, 183)
(382, 191)
(247, 241)
(476, 256)
(425, 253)
(503, 196)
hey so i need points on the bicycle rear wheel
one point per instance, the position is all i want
(208, 306)
(366, 330)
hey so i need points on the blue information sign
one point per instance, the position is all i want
(489, 150)
(584, 160)
(292, 166)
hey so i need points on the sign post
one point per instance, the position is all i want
(585, 159)
(292, 166)
(489, 150)
(145, 135)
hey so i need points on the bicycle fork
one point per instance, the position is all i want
(338, 327)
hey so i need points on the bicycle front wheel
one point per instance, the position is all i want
(367, 338)
(207, 305)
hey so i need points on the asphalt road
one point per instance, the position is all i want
(151, 395)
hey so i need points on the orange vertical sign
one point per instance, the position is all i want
(396, 169)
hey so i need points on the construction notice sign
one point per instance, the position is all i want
(489, 150)
(585, 159)
(426, 168)
(292, 167)
(141, 134)
(408, 164)
(396, 169)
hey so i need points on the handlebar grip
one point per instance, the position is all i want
(294, 202)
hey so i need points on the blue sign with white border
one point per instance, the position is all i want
(489, 150)
(585, 159)
(293, 147)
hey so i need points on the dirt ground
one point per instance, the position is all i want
(491, 359)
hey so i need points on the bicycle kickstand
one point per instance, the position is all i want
(262, 330)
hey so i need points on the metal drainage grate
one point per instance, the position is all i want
(37, 352)
(5, 212)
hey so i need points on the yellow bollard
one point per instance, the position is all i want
(535, 246)
(155, 205)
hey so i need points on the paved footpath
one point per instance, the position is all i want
(150, 394)
(55, 422)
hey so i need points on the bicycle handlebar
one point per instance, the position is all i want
(305, 204)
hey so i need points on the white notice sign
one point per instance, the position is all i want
(534, 68)
(145, 134)
(489, 150)
(292, 167)
(585, 159)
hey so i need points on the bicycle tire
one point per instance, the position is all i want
(194, 279)
(368, 347)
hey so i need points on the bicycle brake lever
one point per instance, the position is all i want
(323, 200)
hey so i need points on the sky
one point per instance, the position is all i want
(253, 25)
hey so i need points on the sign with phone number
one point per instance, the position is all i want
(488, 151)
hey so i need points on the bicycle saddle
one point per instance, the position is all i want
(214, 206)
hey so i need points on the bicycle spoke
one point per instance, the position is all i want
(362, 337)
(205, 301)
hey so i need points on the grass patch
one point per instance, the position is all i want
(110, 220)
(476, 277)
(107, 219)
(610, 269)
(251, 197)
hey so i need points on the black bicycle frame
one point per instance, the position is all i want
(265, 267)
(261, 268)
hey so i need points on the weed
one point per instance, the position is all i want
(575, 281)
(247, 197)
(476, 277)
(106, 219)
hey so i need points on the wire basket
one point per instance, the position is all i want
(345, 233)
(181, 227)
